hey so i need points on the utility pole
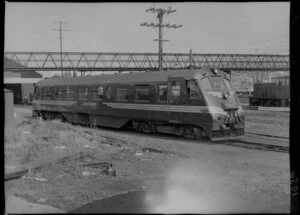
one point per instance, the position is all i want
(160, 13)
(61, 44)
(191, 59)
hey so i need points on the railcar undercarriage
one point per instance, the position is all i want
(186, 131)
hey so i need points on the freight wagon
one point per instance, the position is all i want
(276, 94)
(194, 103)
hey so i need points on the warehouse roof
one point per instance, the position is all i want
(8, 63)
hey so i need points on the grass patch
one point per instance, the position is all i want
(41, 142)
(34, 143)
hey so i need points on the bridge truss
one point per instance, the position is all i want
(101, 61)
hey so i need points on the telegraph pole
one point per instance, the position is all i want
(61, 44)
(160, 13)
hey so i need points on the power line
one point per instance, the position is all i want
(60, 36)
(160, 13)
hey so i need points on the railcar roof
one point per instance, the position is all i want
(141, 77)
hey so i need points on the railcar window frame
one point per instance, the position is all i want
(98, 92)
(287, 81)
(196, 90)
(175, 90)
(139, 89)
(36, 92)
(119, 89)
(227, 83)
(83, 93)
(58, 94)
(165, 86)
(205, 83)
(70, 94)
(215, 80)
(47, 93)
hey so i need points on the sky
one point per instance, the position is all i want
(237, 28)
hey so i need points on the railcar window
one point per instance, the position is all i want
(98, 93)
(175, 91)
(217, 82)
(193, 91)
(70, 93)
(163, 92)
(47, 94)
(205, 83)
(142, 93)
(36, 92)
(83, 93)
(58, 93)
(227, 83)
(122, 94)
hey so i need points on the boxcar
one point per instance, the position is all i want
(196, 103)
(276, 94)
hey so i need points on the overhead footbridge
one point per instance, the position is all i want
(112, 61)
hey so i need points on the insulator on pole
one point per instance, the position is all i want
(160, 12)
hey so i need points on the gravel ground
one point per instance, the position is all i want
(182, 175)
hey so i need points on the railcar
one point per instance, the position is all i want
(275, 94)
(194, 103)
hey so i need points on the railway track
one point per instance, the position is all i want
(110, 140)
(268, 135)
(20, 173)
(258, 146)
(238, 143)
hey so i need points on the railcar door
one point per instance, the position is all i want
(177, 99)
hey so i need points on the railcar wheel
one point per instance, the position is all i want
(43, 115)
(198, 132)
(188, 132)
(192, 132)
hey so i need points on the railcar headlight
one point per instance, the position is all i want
(226, 95)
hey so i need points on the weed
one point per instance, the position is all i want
(12, 136)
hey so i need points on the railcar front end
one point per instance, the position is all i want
(228, 120)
